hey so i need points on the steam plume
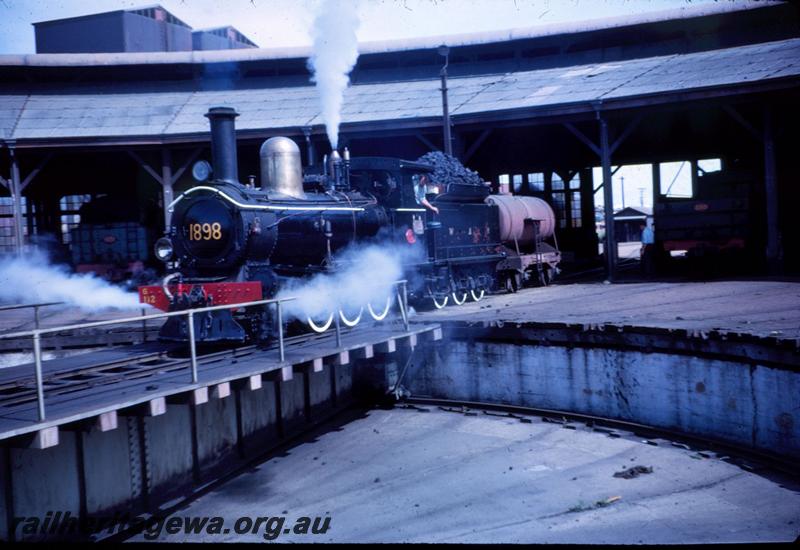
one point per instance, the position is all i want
(367, 276)
(31, 278)
(335, 54)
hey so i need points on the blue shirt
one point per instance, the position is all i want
(647, 236)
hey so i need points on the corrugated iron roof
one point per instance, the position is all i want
(105, 112)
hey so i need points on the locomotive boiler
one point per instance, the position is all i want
(231, 243)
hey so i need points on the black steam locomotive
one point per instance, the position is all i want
(231, 243)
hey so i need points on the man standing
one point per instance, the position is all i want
(648, 249)
(421, 187)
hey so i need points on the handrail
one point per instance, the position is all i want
(36, 334)
(22, 306)
(35, 309)
(106, 322)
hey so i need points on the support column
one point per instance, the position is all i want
(448, 143)
(16, 193)
(166, 184)
(610, 245)
(771, 194)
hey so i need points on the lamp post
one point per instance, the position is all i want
(444, 51)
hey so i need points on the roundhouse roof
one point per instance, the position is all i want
(141, 109)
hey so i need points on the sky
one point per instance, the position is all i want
(286, 23)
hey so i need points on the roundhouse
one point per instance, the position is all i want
(537, 109)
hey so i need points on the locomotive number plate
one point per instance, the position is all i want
(205, 231)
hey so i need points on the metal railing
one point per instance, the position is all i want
(36, 335)
(35, 307)
(400, 290)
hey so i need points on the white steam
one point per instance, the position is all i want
(366, 276)
(31, 278)
(335, 55)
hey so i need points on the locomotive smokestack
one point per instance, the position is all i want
(223, 143)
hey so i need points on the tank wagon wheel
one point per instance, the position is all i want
(347, 321)
(456, 300)
(479, 296)
(325, 326)
(383, 315)
(511, 284)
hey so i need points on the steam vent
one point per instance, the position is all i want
(538, 285)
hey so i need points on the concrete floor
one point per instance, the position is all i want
(763, 308)
(408, 476)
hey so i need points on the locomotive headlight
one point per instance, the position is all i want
(201, 171)
(163, 249)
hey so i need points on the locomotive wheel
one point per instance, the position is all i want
(317, 328)
(457, 301)
(347, 321)
(383, 315)
(437, 304)
(479, 296)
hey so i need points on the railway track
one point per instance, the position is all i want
(18, 387)
(744, 457)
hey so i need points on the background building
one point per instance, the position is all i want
(146, 29)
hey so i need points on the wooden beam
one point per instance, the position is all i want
(156, 407)
(199, 396)
(585, 140)
(45, 438)
(254, 382)
(16, 194)
(107, 421)
(389, 346)
(477, 143)
(427, 142)
(624, 135)
(610, 245)
(35, 172)
(367, 352)
(613, 171)
(221, 391)
(166, 184)
(770, 193)
(743, 121)
(146, 167)
(179, 172)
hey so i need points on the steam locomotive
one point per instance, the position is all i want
(231, 243)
